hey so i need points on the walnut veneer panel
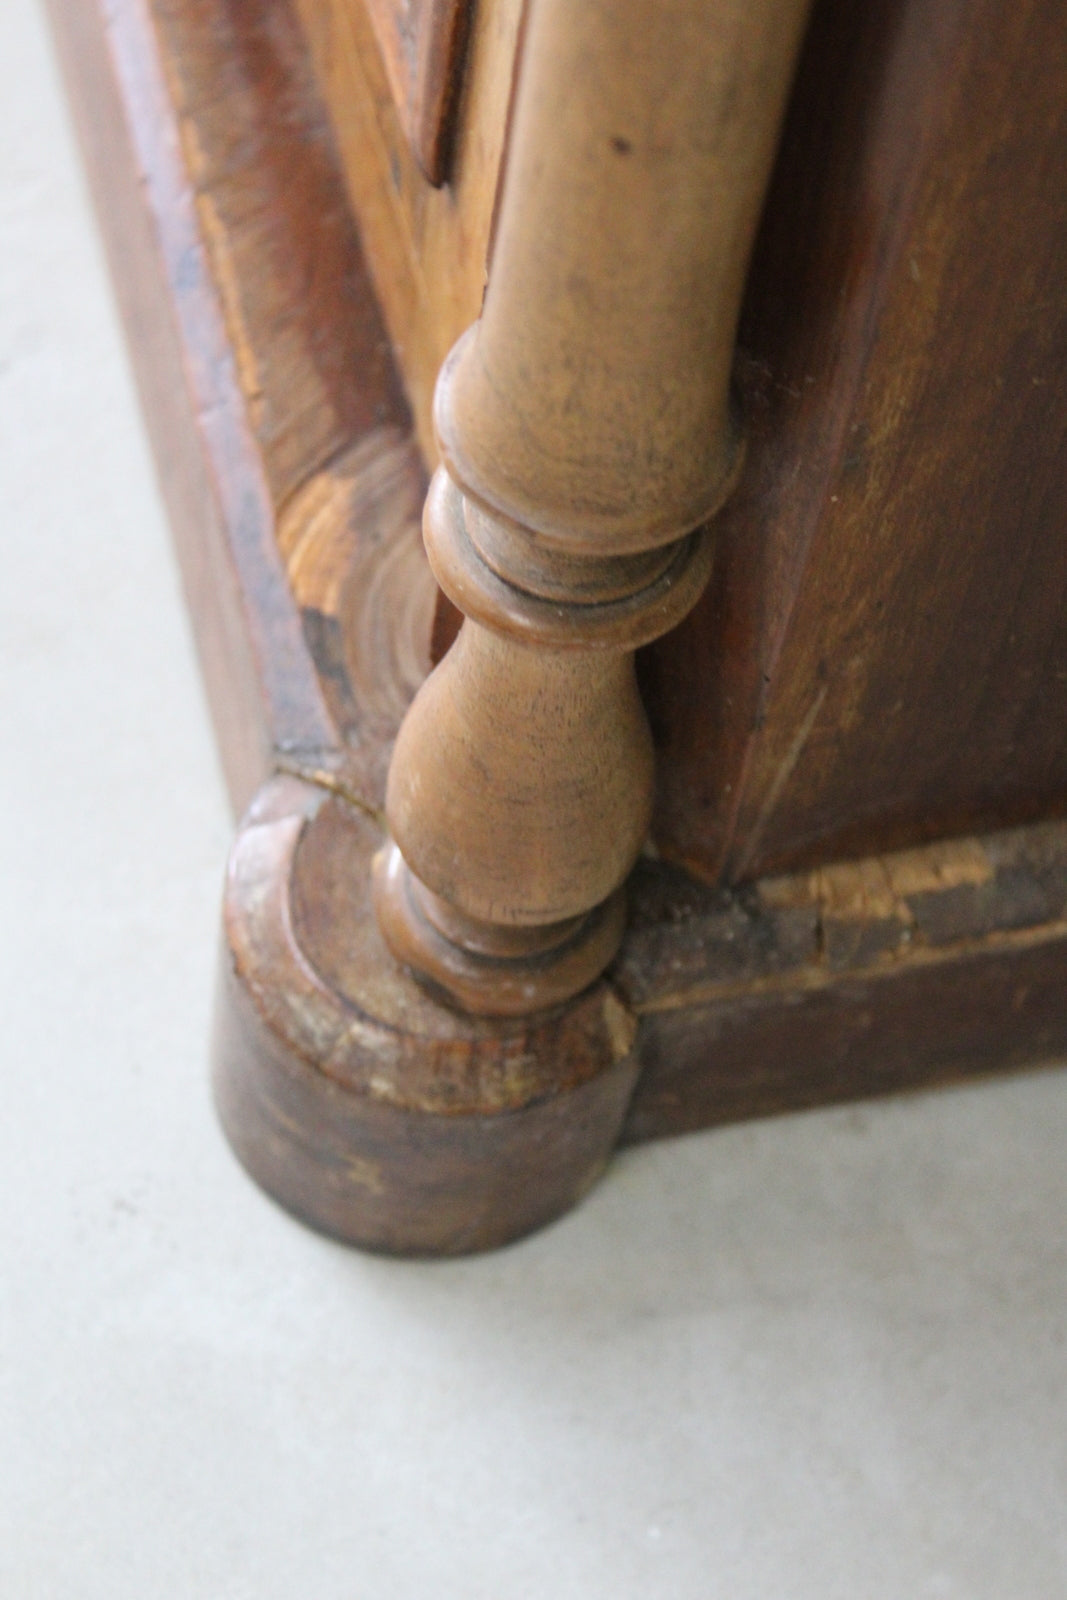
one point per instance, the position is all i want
(882, 654)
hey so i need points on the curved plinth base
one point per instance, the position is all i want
(354, 1099)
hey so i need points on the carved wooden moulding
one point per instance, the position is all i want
(423, 43)
(439, 1053)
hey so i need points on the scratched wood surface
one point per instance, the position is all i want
(882, 654)
(892, 972)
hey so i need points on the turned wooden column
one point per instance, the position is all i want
(587, 437)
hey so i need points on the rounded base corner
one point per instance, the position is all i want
(367, 1110)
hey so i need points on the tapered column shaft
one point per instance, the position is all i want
(592, 404)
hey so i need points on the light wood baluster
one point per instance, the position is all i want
(587, 438)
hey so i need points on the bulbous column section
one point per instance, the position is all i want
(587, 438)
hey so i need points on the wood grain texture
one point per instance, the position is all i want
(427, 247)
(423, 45)
(882, 654)
(858, 978)
(356, 1100)
(783, 1050)
(369, 1110)
(894, 972)
(587, 437)
(255, 340)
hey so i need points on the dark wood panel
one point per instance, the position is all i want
(894, 972)
(882, 656)
(919, 1027)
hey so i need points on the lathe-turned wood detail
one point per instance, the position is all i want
(587, 437)
(350, 1093)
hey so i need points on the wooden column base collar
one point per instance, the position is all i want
(509, 580)
(486, 969)
(530, 919)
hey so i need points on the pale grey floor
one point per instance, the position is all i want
(822, 1357)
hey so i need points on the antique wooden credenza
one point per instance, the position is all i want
(723, 341)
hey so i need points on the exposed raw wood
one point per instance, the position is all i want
(895, 972)
(352, 544)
